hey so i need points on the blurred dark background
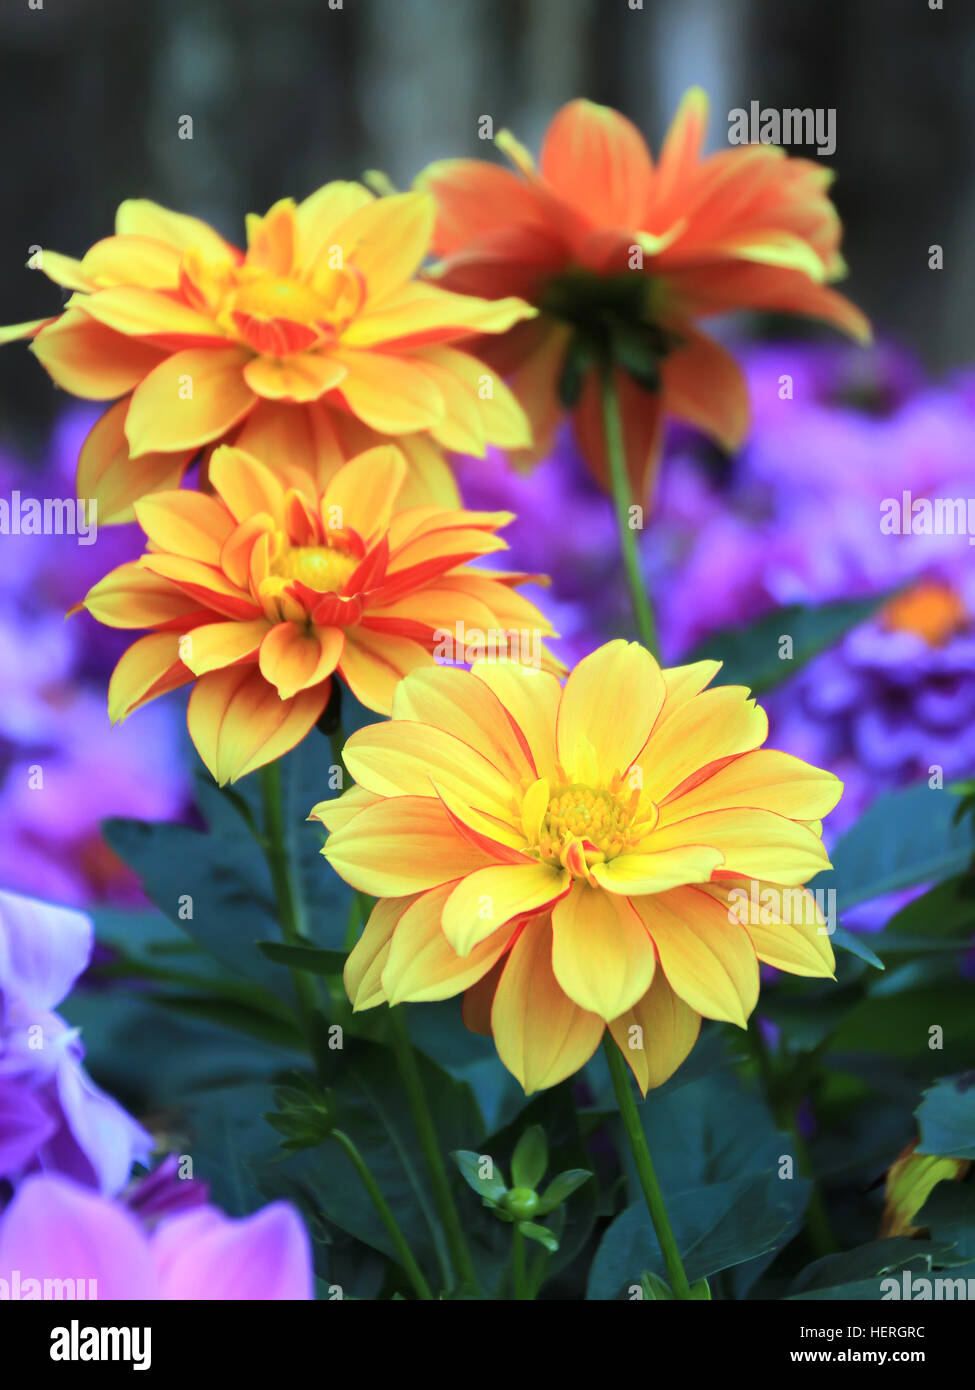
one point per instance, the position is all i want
(286, 94)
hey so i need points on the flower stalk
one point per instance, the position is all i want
(644, 1164)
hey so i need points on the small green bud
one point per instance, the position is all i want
(521, 1202)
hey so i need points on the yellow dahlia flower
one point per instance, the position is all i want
(259, 594)
(311, 346)
(619, 853)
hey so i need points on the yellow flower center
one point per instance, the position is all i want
(278, 315)
(931, 610)
(323, 568)
(597, 818)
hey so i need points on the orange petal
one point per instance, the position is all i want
(464, 706)
(657, 1034)
(87, 359)
(495, 897)
(392, 394)
(294, 659)
(162, 416)
(366, 490)
(601, 955)
(709, 960)
(246, 485)
(143, 313)
(364, 967)
(608, 707)
(130, 597)
(386, 239)
(764, 780)
(107, 473)
(141, 217)
(598, 162)
(304, 376)
(404, 845)
(757, 844)
(186, 523)
(422, 965)
(703, 383)
(238, 722)
(213, 646)
(373, 664)
(150, 667)
(541, 1035)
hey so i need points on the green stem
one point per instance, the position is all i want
(648, 1179)
(430, 1146)
(406, 1258)
(623, 500)
(291, 913)
(519, 1276)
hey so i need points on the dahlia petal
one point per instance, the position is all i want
(150, 667)
(403, 758)
(320, 215)
(366, 490)
(610, 700)
(339, 810)
(367, 959)
(757, 844)
(601, 954)
(238, 722)
(657, 1034)
(387, 239)
(13, 332)
(304, 376)
(708, 960)
(373, 664)
(264, 1256)
(246, 485)
(531, 700)
(90, 360)
(376, 851)
(130, 260)
(422, 965)
(598, 162)
(108, 474)
(132, 597)
(163, 418)
(185, 523)
(212, 646)
(764, 780)
(634, 873)
(209, 586)
(417, 313)
(474, 199)
(785, 924)
(142, 313)
(541, 1035)
(144, 218)
(494, 897)
(294, 444)
(502, 419)
(391, 394)
(461, 704)
(718, 723)
(293, 659)
(703, 384)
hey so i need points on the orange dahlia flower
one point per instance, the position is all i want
(259, 594)
(313, 345)
(622, 255)
(619, 853)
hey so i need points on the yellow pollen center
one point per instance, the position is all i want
(596, 817)
(321, 567)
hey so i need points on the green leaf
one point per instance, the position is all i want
(949, 1214)
(491, 1189)
(530, 1158)
(751, 655)
(946, 1117)
(316, 960)
(857, 1273)
(541, 1234)
(561, 1188)
(856, 947)
(716, 1227)
(371, 1107)
(905, 838)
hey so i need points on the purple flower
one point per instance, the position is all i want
(63, 768)
(53, 1118)
(56, 1230)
